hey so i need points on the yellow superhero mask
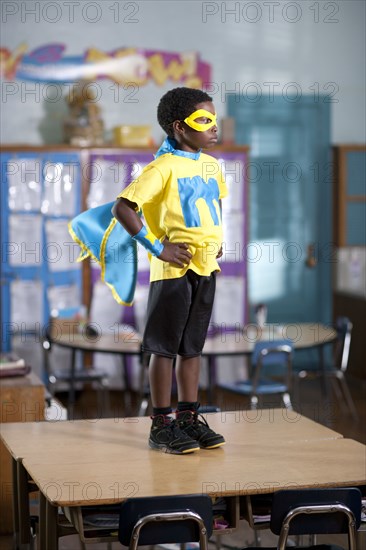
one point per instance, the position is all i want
(191, 120)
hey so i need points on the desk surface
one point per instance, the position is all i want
(304, 335)
(105, 461)
(246, 469)
(121, 436)
(127, 342)
(241, 342)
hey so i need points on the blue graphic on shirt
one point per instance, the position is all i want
(192, 189)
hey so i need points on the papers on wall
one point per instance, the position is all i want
(229, 305)
(24, 184)
(26, 305)
(25, 240)
(233, 172)
(137, 169)
(60, 251)
(234, 249)
(30, 349)
(105, 311)
(140, 306)
(63, 297)
(108, 178)
(60, 189)
(105, 316)
(351, 270)
(142, 258)
(231, 369)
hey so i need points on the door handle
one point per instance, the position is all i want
(311, 259)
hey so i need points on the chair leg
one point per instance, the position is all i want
(296, 386)
(253, 402)
(337, 390)
(143, 406)
(257, 538)
(144, 393)
(287, 401)
(104, 403)
(347, 395)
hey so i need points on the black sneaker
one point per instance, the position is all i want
(199, 430)
(165, 435)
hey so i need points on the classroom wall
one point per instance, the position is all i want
(256, 46)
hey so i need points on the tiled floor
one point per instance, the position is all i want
(310, 404)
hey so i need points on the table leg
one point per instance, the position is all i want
(127, 386)
(324, 380)
(51, 526)
(22, 498)
(48, 538)
(42, 522)
(210, 379)
(14, 466)
(143, 390)
(71, 403)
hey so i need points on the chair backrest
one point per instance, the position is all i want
(272, 357)
(344, 330)
(187, 518)
(316, 511)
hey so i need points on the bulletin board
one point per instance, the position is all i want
(40, 192)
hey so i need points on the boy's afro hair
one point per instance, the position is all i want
(178, 104)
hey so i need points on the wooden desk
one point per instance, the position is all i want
(22, 400)
(108, 460)
(65, 333)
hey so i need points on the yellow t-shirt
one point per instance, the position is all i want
(179, 195)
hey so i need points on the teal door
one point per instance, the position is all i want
(289, 178)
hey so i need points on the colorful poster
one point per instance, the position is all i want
(123, 66)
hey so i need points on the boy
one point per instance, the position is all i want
(179, 194)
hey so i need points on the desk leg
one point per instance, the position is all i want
(42, 522)
(210, 379)
(51, 526)
(23, 507)
(144, 389)
(127, 386)
(14, 466)
(48, 539)
(324, 380)
(71, 403)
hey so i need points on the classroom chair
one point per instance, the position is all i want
(166, 520)
(271, 373)
(335, 370)
(314, 512)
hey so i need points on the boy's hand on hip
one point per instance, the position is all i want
(175, 253)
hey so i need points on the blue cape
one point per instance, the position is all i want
(102, 238)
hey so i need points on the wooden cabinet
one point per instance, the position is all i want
(349, 194)
(22, 400)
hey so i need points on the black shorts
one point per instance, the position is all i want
(178, 315)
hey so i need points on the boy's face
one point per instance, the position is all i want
(192, 140)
